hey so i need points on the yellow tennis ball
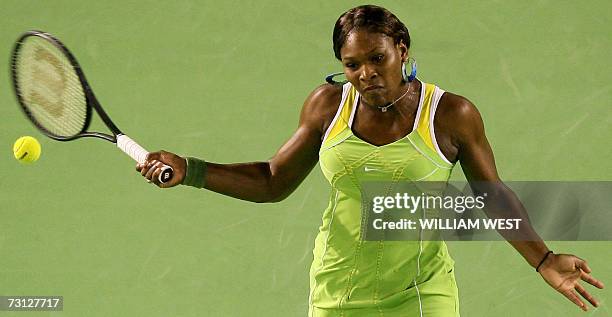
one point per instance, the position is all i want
(26, 149)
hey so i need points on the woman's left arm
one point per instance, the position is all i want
(463, 123)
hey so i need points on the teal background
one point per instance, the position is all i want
(225, 81)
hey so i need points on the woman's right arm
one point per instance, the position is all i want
(268, 181)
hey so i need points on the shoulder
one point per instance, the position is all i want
(321, 106)
(459, 117)
(456, 107)
(323, 98)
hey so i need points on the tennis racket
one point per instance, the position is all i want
(54, 94)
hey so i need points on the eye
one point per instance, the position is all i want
(378, 58)
(350, 65)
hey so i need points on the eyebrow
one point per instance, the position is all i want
(367, 53)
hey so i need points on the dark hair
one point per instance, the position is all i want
(370, 18)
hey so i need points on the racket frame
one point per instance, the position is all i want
(90, 99)
(128, 145)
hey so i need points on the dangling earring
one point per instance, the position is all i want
(330, 79)
(413, 70)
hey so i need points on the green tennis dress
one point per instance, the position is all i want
(350, 276)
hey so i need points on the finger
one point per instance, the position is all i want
(574, 298)
(586, 295)
(156, 172)
(138, 167)
(582, 264)
(591, 280)
(151, 169)
(145, 168)
(153, 156)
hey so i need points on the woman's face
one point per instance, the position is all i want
(372, 64)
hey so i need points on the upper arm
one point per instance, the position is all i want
(296, 158)
(468, 137)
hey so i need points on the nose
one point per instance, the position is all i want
(368, 72)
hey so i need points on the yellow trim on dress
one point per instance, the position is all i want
(343, 120)
(423, 126)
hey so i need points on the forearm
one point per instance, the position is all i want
(247, 181)
(503, 203)
(532, 251)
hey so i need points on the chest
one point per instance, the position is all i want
(352, 161)
(380, 129)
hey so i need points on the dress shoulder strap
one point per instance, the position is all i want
(345, 114)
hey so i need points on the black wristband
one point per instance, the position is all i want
(195, 173)
(543, 259)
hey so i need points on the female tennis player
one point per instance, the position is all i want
(383, 124)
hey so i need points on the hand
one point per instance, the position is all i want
(563, 272)
(151, 168)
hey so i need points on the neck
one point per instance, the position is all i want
(389, 105)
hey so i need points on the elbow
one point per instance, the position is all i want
(491, 189)
(276, 188)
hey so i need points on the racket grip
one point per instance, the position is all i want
(139, 154)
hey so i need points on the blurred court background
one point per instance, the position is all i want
(225, 81)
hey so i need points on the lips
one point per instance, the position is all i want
(372, 87)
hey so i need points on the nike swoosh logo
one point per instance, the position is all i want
(369, 169)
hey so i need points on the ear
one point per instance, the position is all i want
(403, 50)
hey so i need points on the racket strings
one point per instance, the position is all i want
(50, 88)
